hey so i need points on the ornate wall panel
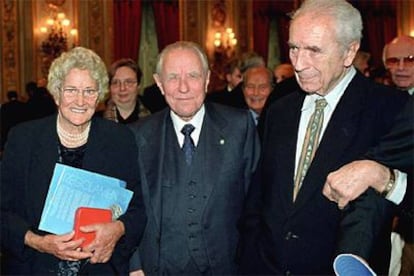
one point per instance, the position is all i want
(193, 20)
(96, 28)
(9, 47)
(243, 19)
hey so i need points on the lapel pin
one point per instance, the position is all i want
(221, 141)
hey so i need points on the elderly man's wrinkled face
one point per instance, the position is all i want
(319, 61)
(256, 88)
(399, 60)
(183, 82)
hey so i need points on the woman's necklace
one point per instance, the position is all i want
(71, 140)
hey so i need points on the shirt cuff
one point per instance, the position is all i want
(398, 192)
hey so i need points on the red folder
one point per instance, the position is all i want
(86, 216)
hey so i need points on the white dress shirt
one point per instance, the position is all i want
(196, 121)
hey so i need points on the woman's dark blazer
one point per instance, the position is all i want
(27, 167)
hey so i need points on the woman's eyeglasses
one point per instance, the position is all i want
(71, 93)
(127, 83)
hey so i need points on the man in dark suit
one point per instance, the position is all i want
(152, 98)
(11, 113)
(194, 184)
(395, 151)
(233, 77)
(235, 97)
(289, 227)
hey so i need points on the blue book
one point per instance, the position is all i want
(351, 265)
(71, 188)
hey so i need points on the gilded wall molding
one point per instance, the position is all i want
(96, 28)
(10, 47)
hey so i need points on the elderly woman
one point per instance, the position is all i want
(77, 80)
(124, 106)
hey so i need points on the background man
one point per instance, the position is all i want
(399, 60)
(283, 71)
(233, 77)
(257, 86)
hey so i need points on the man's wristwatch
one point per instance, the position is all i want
(390, 184)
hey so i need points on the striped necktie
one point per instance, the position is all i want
(310, 144)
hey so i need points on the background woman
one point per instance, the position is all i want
(77, 80)
(124, 106)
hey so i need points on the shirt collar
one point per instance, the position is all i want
(333, 96)
(196, 121)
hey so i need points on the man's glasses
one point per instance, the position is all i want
(127, 83)
(72, 93)
(408, 61)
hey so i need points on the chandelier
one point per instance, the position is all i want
(225, 42)
(55, 37)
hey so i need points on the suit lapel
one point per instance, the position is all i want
(154, 167)
(45, 156)
(214, 140)
(338, 136)
(284, 136)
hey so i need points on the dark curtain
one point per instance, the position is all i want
(263, 12)
(261, 25)
(380, 26)
(282, 9)
(166, 14)
(127, 28)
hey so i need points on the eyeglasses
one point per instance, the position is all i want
(72, 93)
(408, 61)
(127, 83)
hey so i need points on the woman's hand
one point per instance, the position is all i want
(60, 246)
(107, 235)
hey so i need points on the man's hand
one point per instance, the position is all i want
(107, 235)
(60, 246)
(139, 272)
(352, 179)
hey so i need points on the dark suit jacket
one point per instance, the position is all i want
(303, 237)
(11, 114)
(27, 167)
(153, 99)
(280, 90)
(234, 98)
(396, 149)
(229, 167)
